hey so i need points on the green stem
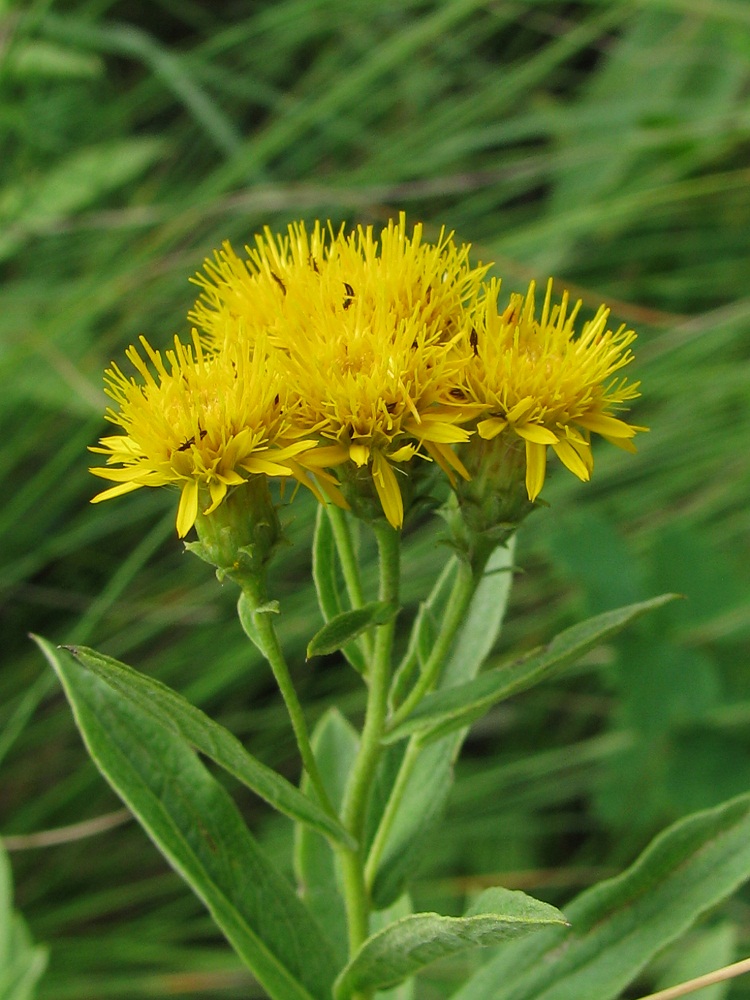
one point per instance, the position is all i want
(370, 748)
(343, 539)
(467, 580)
(394, 802)
(349, 566)
(266, 631)
(465, 585)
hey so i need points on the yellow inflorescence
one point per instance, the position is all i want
(323, 351)
(200, 421)
(534, 378)
(365, 330)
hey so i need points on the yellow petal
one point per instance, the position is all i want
(402, 454)
(448, 460)
(536, 467)
(389, 493)
(116, 491)
(440, 433)
(333, 493)
(572, 460)
(263, 465)
(326, 455)
(218, 491)
(232, 478)
(126, 475)
(359, 453)
(188, 508)
(623, 443)
(535, 433)
(599, 423)
(293, 449)
(490, 428)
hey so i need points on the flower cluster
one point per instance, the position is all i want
(345, 361)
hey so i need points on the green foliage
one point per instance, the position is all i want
(618, 925)
(194, 822)
(603, 142)
(405, 946)
(168, 709)
(335, 742)
(422, 784)
(454, 707)
(346, 626)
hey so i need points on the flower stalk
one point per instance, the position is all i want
(370, 749)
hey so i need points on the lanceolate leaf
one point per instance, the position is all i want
(348, 625)
(169, 709)
(451, 708)
(194, 822)
(380, 919)
(619, 925)
(407, 945)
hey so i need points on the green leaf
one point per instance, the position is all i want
(484, 621)
(6, 908)
(379, 920)
(443, 711)
(21, 962)
(170, 710)
(325, 560)
(703, 951)
(430, 780)
(348, 625)
(403, 948)
(620, 924)
(335, 743)
(194, 822)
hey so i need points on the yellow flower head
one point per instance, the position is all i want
(536, 379)
(365, 334)
(201, 422)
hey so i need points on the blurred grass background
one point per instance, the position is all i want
(605, 143)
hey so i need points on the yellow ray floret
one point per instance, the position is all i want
(201, 422)
(364, 331)
(537, 379)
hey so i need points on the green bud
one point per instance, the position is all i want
(240, 537)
